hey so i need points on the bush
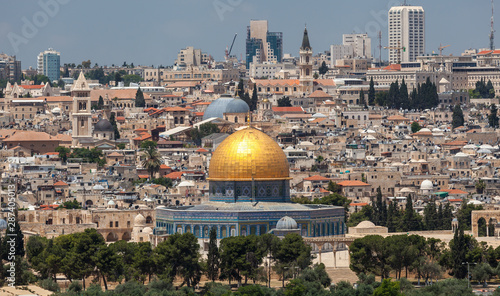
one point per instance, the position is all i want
(75, 286)
(49, 284)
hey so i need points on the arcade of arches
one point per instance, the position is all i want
(485, 223)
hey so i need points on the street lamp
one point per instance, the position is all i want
(468, 272)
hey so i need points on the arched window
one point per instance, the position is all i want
(307, 72)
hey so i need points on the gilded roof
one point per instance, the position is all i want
(246, 154)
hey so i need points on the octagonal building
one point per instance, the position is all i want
(249, 192)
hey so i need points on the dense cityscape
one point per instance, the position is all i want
(369, 168)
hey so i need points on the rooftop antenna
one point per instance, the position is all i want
(492, 32)
(380, 48)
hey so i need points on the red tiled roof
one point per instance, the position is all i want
(143, 176)
(393, 67)
(199, 113)
(317, 178)
(319, 94)
(358, 204)
(164, 167)
(202, 150)
(142, 137)
(52, 153)
(60, 183)
(353, 183)
(120, 118)
(174, 175)
(32, 86)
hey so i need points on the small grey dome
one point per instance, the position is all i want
(237, 106)
(286, 223)
(225, 104)
(103, 125)
(3, 224)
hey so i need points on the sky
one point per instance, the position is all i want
(152, 32)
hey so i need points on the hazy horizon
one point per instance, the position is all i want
(153, 32)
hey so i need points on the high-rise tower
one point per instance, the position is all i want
(406, 33)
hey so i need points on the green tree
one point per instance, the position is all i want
(334, 187)
(387, 288)
(106, 262)
(415, 127)
(482, 272)
(255, 99)
(13, 234)
(144, 263)
(362, 100)
(371, 93)
(480, 186)
(284, 102)
(179, 256)
(63, 153)
(139, 99)
(86, 64)
(206, 129)
(458, 117)
(152, 158)
(323, 69)
(291, 254)
(315, 75)
(213, 257)
(493, 117)
(404, 99)
(112, 120)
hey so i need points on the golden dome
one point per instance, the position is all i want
(248, 153)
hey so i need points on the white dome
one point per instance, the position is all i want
(319, 115)
(469, 146)
(147, 230)
(461, 154)
(286, 223)
(365, 224)
(422, 130)
(426, 185)
(56, 110)
(486, 146)
(111, 203)
(474, 202)
(139, 220)
(185, 184)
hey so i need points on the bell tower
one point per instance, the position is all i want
(81, 116)
(305, 64)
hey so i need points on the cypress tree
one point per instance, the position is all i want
(371, 93)
(213, 258)
(403, 96)
(139, 99)
(362, 100)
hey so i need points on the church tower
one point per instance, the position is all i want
(305, 64)
(82, 117)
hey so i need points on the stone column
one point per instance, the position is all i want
(487, 229)
(334, 258)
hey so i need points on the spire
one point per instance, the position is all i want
(305, 41)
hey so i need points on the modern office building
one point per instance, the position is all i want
(262, 45)
(10, 68)
(361, 44)
(49, 64)
(406, 33)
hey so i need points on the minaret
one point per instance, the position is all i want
(82, 117)
(306, 75)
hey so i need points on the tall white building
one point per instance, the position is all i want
(361, 44)
(406, 31)
(48, 64)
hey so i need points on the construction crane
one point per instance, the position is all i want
(441, 47)
(399, 49)
(228, 53)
